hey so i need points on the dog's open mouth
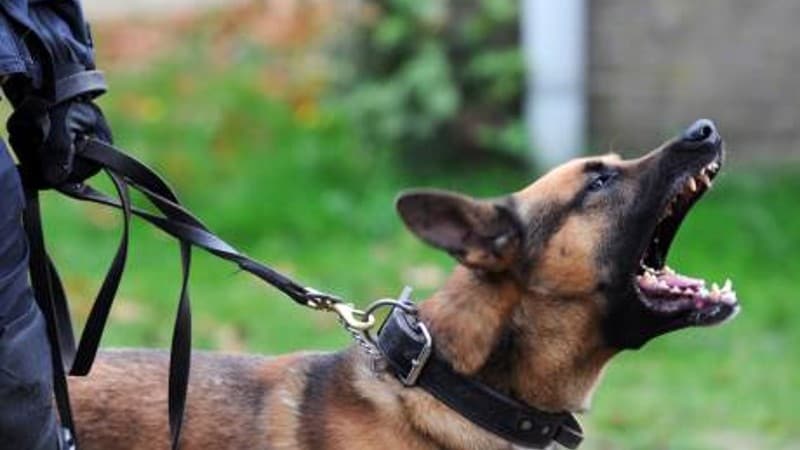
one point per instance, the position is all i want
(666, 292)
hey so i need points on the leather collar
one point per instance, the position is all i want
(409, 350)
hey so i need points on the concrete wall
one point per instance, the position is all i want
(656, 65)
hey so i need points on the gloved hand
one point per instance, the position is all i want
(44, 138)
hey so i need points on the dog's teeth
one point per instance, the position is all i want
(704, 178)
(728, 286)
(675, 290)
(715, 293)
(669, 270)
(662, 285)
(692, 184)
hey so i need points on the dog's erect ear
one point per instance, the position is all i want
(481, 234)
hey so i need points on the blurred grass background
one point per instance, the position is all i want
(279, 165)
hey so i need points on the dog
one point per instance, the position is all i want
(552, 281)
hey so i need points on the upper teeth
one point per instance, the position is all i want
(702, 179)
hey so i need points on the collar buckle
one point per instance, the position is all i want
(418, 363)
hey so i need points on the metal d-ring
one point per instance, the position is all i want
(359, 323)
(408, 308)
(403, 302)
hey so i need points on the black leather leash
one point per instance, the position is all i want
(127, 172)
(405, 343)
(49, 292)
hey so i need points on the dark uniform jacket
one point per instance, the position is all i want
(41, 42)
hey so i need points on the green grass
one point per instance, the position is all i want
(293, 186)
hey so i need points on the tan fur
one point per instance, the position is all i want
(559, 184)
(467, 329)
(554, 313)
(566, 267)
(281, 407)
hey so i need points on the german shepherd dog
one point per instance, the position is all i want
(551, 282)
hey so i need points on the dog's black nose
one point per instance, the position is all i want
(701, 131)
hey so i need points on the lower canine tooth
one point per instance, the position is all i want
(727, 286)
(692, 184)
(704, 178)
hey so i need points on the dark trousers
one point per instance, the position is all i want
(27, 412)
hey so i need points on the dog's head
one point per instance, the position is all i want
(580, 253)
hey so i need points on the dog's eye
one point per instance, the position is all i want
(600, 181)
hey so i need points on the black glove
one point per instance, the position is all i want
(44, 138)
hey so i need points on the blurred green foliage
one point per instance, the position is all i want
(292, 183)
(440, 80)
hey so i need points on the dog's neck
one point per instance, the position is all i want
(541, 349)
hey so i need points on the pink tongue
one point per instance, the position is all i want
(681, 281)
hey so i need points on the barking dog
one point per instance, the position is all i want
(552, 281)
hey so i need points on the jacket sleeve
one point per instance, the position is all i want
(55, 46)
(14, 57)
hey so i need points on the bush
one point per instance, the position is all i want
(441, 80)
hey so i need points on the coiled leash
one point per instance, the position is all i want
(402, 346)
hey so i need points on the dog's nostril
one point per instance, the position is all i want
(700, 131)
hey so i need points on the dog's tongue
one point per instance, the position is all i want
(681, 281)
(666, 284)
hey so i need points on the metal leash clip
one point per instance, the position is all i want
(353, 318)
(359, 323)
